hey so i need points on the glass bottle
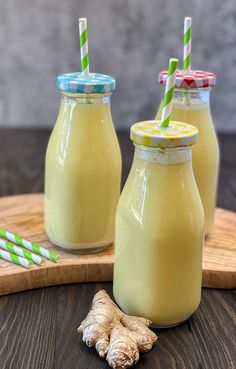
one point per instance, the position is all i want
(191, 104)
(83, 166)
(160, 228)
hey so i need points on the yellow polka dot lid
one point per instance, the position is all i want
(177, 134)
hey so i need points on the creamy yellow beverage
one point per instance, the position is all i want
(205, 154)
(82, 174)
(194, 108)
(159, 236)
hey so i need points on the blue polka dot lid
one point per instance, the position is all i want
(94, 83)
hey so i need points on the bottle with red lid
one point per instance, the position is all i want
(191, 104)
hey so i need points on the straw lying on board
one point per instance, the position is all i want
(29, 245)
(5, 255)
(21, 252)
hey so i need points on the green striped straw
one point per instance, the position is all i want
(187, 44)
(5, 255)
(169, 92)
(29, 245)
(84, 46)
(21, 252)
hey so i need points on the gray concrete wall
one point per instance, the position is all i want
(130, 39)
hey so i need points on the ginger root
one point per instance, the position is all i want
(115, 335)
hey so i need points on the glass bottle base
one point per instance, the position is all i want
(174, 324)
(82, 248)
(154, 326)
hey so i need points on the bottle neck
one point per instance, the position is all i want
(86, 99)
(193, 97)
(163, 156)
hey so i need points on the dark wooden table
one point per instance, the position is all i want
(38, 328)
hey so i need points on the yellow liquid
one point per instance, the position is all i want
(158, 243)
(82, 180)
(205, 153)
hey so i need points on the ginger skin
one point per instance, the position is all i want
(115, 335)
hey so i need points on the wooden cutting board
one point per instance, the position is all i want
(23, 215)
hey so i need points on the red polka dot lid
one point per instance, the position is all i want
(191, 79)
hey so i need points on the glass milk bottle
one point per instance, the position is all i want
(160, 227)
(83, 166)
(191, 104)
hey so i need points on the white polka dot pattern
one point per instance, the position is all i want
(94, 83)
(191, 79)
(178, 134)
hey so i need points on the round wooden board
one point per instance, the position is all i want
(23, 215)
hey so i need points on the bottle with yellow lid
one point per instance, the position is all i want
(159, 229)
(191, 104)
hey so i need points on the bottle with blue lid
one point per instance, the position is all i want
(83, 165)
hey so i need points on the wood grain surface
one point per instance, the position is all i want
(219, 253)
(38, 327)
(38, 331)
(23, 215)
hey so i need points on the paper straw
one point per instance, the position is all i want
(169, 91)
(5, 255)
(21, 252)
(84, 46)
(29, 245)
(187, 43)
